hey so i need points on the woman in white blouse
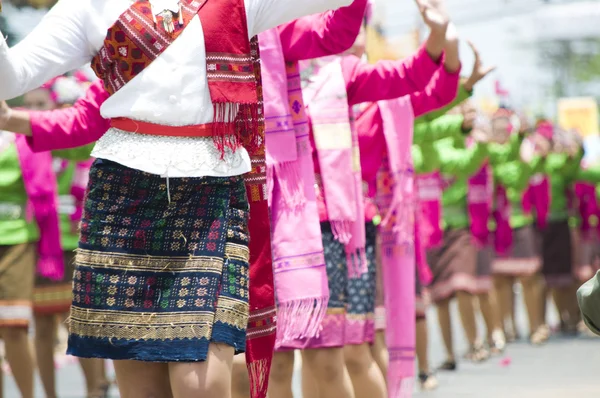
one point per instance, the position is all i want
(161, 280)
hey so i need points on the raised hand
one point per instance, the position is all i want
(434, 17)
(479, 71)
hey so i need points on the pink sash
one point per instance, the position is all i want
(503, 235)
(42, 190)
(429, 188)
(587, 207)
(479, 197)
(336, 143)
(299, 265)
(397, 202)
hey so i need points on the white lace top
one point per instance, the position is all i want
(173, 90)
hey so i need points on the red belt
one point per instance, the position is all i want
(136, 126)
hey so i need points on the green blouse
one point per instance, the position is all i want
(14, 228)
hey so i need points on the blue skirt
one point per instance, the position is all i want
(159, 276)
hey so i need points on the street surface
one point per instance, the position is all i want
(564, 368)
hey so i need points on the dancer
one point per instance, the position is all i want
(52, 299)
(297, 248)
(379, 128)
(209, 288)
(516, 256)
(324, 355)
(454, 264)
(298, 41)
(561, 166)
(32, 182)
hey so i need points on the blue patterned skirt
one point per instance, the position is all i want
(350, 310)
(158, 279)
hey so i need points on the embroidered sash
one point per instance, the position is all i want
(135, 41)
(261, 332)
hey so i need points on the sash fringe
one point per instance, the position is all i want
(259, 375)
(290, 183)
(357, 263)
(342, 231)
(401, 388)
(300, 319)
(51, 267)
(236, 125)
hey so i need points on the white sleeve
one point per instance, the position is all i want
(263, 15)
(57, 45)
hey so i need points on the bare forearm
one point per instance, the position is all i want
(452, 57)
(18, 122)
(435, 45)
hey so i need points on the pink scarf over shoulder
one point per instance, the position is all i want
(79, 186)
(42, 202)
(397, 201)
(537, 198)
(429, 189)
(298, 261)
(479, 204)
(587, 205)
(336, 141)
(503, 235)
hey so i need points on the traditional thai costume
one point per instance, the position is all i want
(385, 140)
(331, 86)
(465, 206)
(55, 297)
(163, 259)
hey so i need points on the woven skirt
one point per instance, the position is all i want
(17, 270)
(454, 265)
(557, 254)
(587, 255)
(360, 319)
(523, 259)
(351, 306)
(161, 270)
(485, 257)
(54, 297)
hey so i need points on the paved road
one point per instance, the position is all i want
(564, 368)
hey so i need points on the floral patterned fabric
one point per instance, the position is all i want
(350, 310)
(162, 268)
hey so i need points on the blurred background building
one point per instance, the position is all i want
(545, 50)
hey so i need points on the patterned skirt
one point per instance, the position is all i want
(557, 254)
(485, 257)
(351, 306)
(523, 259)
(17, 270)
(587, 254)
(52, 297)
(360, 320)
(162, 269)
(454, 265)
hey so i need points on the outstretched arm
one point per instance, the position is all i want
(448, 126)
(64, 128)
(319, 35)
(440, 91)
(385, 79)
(462, 163)
(57, 45)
